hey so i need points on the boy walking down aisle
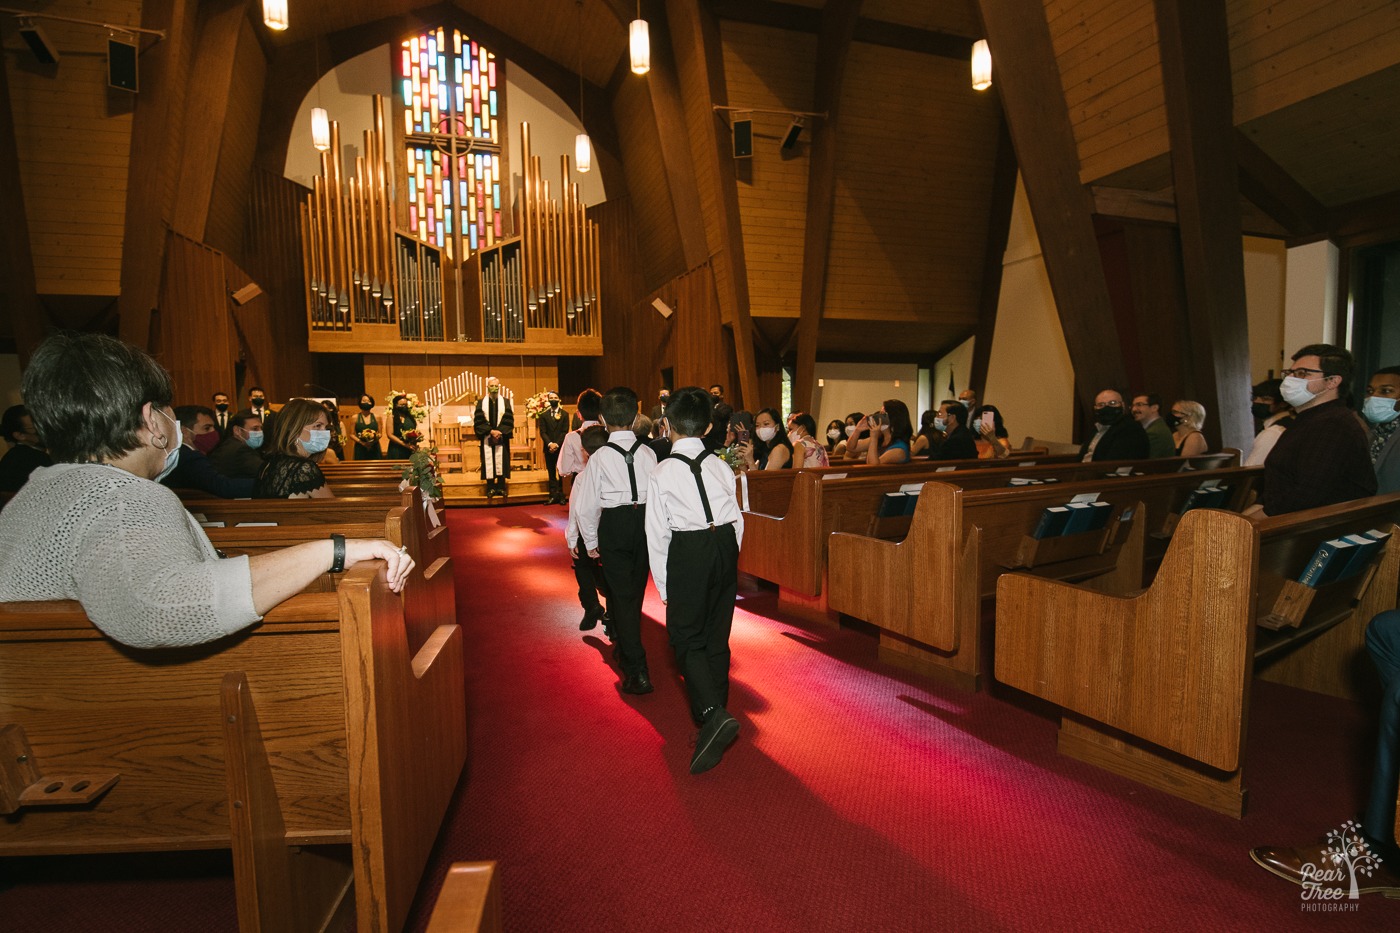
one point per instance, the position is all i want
(694, 528)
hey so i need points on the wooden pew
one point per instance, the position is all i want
(927, 593)
(1156, 685)
(320, 744)
(789, 548)
(295, 511)
(469, 900)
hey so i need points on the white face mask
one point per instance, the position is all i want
(318, 441)
(833, 435)
(766, 434)
(1379, 409)
(172, 449)
(939, 424)
(1295, 391)
(850, 429)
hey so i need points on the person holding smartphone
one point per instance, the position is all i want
(890, 432)
(992, 440)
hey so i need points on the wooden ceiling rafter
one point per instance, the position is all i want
(875, 32)
(1277, 193)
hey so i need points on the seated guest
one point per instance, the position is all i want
(813, 453)
(835, 438)
(857, 437)
(1382, 408)
(1274, 416)
(1117, 437)
(292, 452)
(769, 449)
(929, 436)
(1190, 417)
(1147, 411)
(993, 442)
(95, 528)
(336, 447)
(192, 468)
(26, 455)
(890, 433)
(240, 454)
(959, 443)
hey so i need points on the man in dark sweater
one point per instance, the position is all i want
(26, 455)
(958, 441)
(1323, 458)
(1118, 435)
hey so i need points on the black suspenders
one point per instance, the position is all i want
(628, 456)
(695, 465)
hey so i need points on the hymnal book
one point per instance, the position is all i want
(1099, 515)
(1208, 495)
(912, 488)
(1327, 561)
(947, 469)
(1052, 522)
(1081, 515)
(827, 476)
(911, 502)
(891, 504)
(1366, 550)
(1026, 463)
(1023, 481)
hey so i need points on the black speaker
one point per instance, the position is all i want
(34, 37)
(121, 64)
(743, 137)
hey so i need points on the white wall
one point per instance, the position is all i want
(1310, 296)
(346, 94)
(846, 387)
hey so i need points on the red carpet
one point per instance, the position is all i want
(856, 798)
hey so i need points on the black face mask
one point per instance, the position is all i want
(1171, 420)
(257, 402)
(403, 407)
(366, 406)
(222, 406)
(1262, 410)
(554, 403)
(1108, 415)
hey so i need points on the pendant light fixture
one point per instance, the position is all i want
(320, 120)
(981, 65)
(639, 43)
(275, 14)
(583, 152)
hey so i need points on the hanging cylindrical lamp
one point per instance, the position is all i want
(320, 128)
(981, 65)
(640, 44)
(583, 154)
(275, 14)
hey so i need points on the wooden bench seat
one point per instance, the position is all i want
(927, 593)
(1155, 685)
(337, 724)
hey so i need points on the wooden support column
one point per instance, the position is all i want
(157, 134)
(1194, 40)
(833, 47)
(668, 112)
(1028, 80)
(700, 66)
(994, 258)
(16, 253)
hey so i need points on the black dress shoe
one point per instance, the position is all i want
(638, 684)
(716, 735)
(590, 619)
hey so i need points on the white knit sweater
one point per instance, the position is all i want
(126, 549)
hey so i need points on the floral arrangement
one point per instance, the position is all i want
(413, 437)
(368, 435)
(731, 456)
(422, 471)
(537, 404)
(417, 409)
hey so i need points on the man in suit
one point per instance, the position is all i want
(1118, 436)
(494, 424)
(1147, 411)
(223, 421)
(958, 440)
(238, 454)
(1382, 411)
(554, 427)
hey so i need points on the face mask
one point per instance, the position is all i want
(366, 406)
(493, 389)
(833, 435)
(766, 434)
(172, 451)
(1171, 420)
(403, 407)
(257, 402)
(1262, 410)
(1108, 415)
(665, 399)
(222, 406)
(940, 424)
(966, 403)
(320, 440)
(1295, 391)
(554, 403)
(794, 436)
(850, 430)
(255, 439)
(1379, 409)
(206, 442)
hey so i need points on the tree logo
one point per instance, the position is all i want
(1346, 858)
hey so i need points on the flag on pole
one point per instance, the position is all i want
(952, 389)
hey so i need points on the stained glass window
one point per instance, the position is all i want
(453, 140)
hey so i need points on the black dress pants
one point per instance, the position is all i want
(1383, 644)
(588, 571)
(622, 546)
(702, 582)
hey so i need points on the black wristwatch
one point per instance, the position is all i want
(338, 561)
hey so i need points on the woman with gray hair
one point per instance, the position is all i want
(98, 527)
(1190, 417)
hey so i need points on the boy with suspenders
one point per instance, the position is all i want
(611, 499)
(694, 528)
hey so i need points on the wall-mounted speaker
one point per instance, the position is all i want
(44, 49)
(121, 63)
(794, 130)
(743, 136)
(246, 294)
(663, 308)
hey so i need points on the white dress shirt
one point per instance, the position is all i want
(605, 484)
(1265, 440)
(673, 502)
(571, 454)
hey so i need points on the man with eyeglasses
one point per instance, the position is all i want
(1323, 458)
(1118, 436)
(1147, 411)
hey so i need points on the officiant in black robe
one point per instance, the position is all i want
(494, 424)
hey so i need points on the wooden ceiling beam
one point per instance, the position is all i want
(833, 48)
(17, 283)
(873, 31)
(1275, 192)
(1193, 37)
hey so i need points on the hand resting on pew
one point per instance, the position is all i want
(98, 528)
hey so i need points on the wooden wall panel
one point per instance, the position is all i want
(660, 255)
(915, 165)
(195, 328)
(233, 177)
(72, 137)
(772, 69)
(271, 329)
